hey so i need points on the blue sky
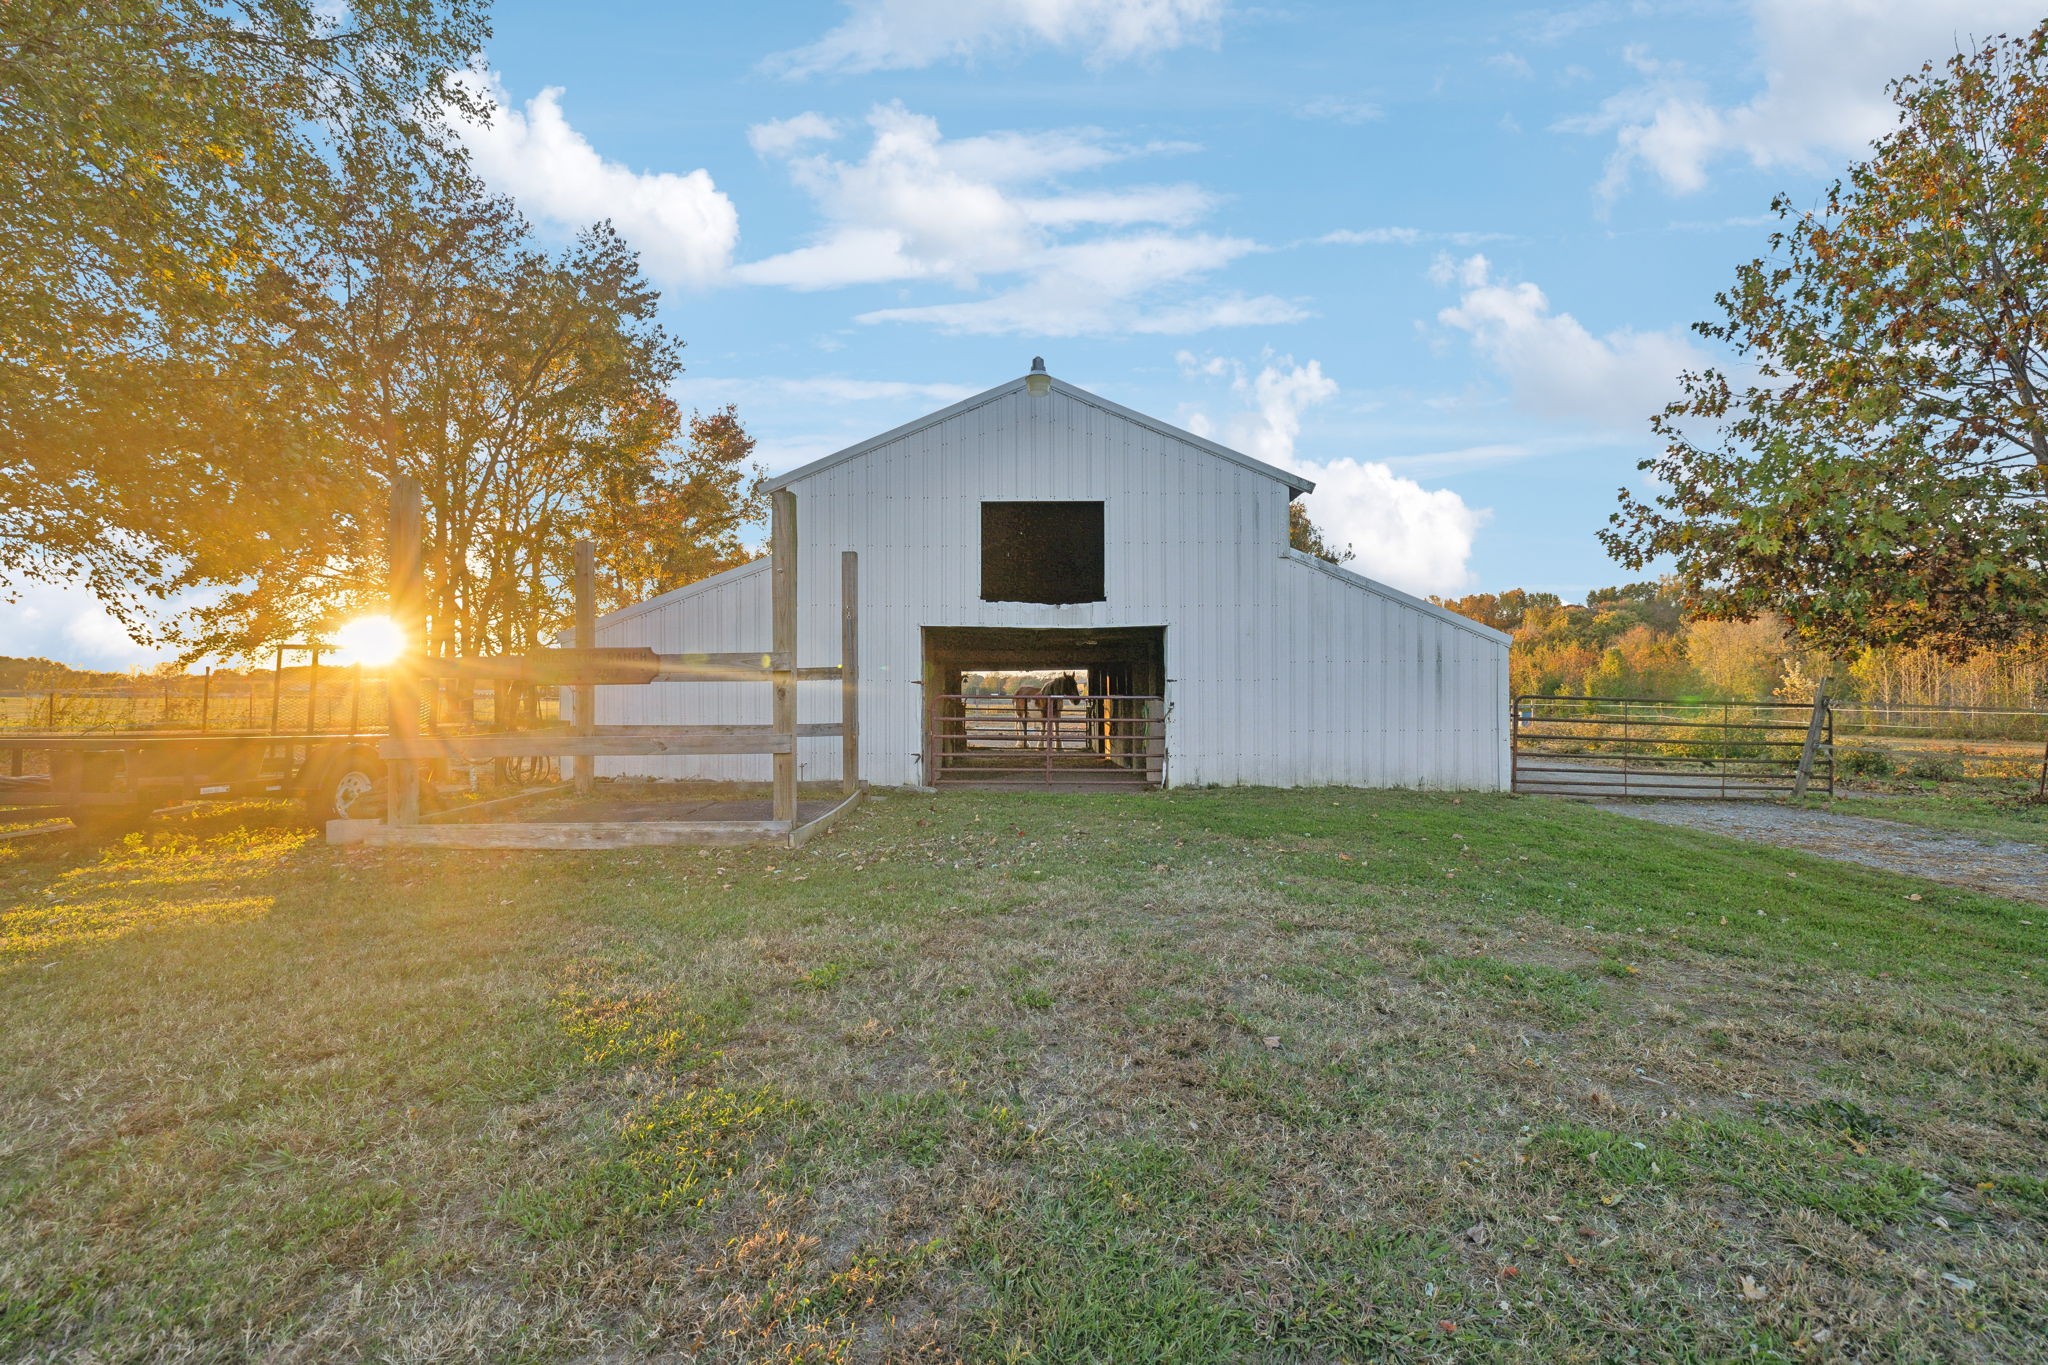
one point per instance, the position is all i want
(1441, 259)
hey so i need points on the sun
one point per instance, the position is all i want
(373, 641)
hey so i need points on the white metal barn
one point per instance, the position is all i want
(1038, 526)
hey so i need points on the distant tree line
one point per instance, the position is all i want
(1637, 640)
(249, 279)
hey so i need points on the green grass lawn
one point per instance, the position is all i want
(1193, 1076)
(1989, 808)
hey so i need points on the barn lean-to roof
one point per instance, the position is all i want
(1295, 483)
(1352, 578)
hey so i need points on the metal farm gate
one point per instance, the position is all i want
(1087, 743)
(1644, 747)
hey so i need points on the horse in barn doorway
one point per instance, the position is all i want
(1048, 701)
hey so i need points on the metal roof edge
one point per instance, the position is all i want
(1293, 481)
(724, 576)
(1373, 585)
(1238, 457)
(825, 462)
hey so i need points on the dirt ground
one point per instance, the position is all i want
(2002, 866)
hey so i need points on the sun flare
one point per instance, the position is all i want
(373, 641)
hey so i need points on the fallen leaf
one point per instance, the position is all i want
(1753, 1291)
(1477, 1234)
(1446, 1326)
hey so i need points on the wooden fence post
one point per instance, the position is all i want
(585, 767)
(408, 603)
(276, 688)
(782, 549)
(1812, 745)
(849, 671)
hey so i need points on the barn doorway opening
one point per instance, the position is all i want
(1065, 708)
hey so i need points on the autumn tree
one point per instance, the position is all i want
(679, 520)
(1738, 659)
(1879, 475)
(526, 393)
(166, 170)
(1304, 535)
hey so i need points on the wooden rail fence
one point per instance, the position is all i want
(585, 668)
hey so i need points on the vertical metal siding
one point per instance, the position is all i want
(1280, 672)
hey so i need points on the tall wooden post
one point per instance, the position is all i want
(1812, 746)
(849, 671)
(313, 693)
(276, 687)
(782, 546)
(408, 610)
(585, 767)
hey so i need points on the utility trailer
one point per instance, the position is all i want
(100, 762)
(113, 777)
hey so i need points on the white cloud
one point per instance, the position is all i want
(918, 206)
(1405, 236)
(1414, 538)
(1824, 64)
(892, 35)
(1553, 364)
(684, 227)
(779, 137)
(1340, 109)
(832, 389)
(1464, 459)
(65, 622)
(1100, 288)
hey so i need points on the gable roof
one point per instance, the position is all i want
(1295, 483)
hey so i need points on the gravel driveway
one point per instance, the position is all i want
(2000, 866)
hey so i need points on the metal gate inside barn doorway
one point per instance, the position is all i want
(1701, 751)
(979, 731)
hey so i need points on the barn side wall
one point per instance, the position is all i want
(1280, 672)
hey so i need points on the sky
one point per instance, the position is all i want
(1440, 259)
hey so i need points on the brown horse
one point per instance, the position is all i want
(1048, 702)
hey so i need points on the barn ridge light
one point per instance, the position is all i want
(1038, 381)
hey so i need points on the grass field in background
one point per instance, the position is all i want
(1221, 1076)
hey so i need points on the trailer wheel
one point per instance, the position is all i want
(349, 788)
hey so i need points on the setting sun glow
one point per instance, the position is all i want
(373, 641)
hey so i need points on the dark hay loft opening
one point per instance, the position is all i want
(1041, 552)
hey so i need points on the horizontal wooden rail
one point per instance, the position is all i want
(623, 667)
(625, 741)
